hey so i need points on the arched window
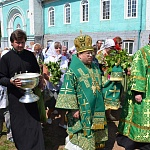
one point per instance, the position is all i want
(67, 13)
(51, 16)
(84, 11)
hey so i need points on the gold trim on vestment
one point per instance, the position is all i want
(116, 79)
(137, 126)
(134, 89)
(97, 126)
(139, 78)
(99, 113)
(84, 78)
(72, 101)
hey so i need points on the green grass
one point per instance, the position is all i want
(4, 143)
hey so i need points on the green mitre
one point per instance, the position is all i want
(117, 73)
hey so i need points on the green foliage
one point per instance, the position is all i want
(54, 69)
(120, 57)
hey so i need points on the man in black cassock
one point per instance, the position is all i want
(25, 119)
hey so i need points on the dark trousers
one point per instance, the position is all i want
(128, 144)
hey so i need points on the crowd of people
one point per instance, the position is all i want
(78, 85)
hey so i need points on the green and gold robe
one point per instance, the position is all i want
(81, 90)
(111, 89)
(135, 117)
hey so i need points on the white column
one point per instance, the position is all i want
(31, 16)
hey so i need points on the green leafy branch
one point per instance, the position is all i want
(55, 72)
(120, 57)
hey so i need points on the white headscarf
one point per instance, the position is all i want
(51, 51)
(109, 43)
(34, 46)
(52, 55)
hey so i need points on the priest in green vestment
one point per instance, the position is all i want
(81, 96)
(134, 125)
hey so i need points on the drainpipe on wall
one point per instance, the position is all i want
(149, 40)
(139, 32)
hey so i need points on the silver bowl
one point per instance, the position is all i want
(29, 81)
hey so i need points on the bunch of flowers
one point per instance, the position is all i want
(55, 71)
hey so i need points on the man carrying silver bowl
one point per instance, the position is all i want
(25, 119)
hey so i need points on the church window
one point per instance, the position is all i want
(51, 16)
(67, 14)
(105, 9)
(131, 8)
(84, 11)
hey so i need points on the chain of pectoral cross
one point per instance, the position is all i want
(95, 85)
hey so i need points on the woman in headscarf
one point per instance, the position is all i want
(54, 56)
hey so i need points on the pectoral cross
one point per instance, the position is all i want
(95, 85)
(94, 88)
(98, 87)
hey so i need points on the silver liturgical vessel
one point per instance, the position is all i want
(29, 81)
